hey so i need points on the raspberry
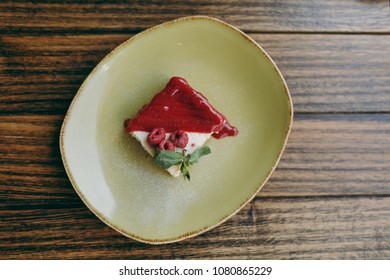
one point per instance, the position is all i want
(156, 135)
(179, 138)
(166, 145)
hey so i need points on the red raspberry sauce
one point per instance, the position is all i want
(180, 107)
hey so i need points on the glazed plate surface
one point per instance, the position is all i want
(112, 173)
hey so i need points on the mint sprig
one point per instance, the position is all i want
(166, 159)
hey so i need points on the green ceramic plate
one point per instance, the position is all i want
(110, 170)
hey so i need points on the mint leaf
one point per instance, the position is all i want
(185, 172)
(198, 153)
(186, 161)
(166, 159)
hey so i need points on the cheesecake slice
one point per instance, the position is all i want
(177, 119)
(195, 140)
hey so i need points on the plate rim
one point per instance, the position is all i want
(190, 234)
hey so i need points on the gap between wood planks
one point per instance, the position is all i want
(134, 31)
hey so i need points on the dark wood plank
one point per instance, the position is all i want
(333, 73)
(334, 155)
(327, 155)
(42, 74)
(31, 169)
(124, 16)
(329, 197)
(268, 228)
(325, 73)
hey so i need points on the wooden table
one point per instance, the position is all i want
(330, 195)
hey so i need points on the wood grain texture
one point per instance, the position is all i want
(325, 73)
(268, 228)
(335, 155)
(327, 155)
(250, 15)
(333, 73)
(329, 198)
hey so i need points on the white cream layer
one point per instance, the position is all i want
(195, 140)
